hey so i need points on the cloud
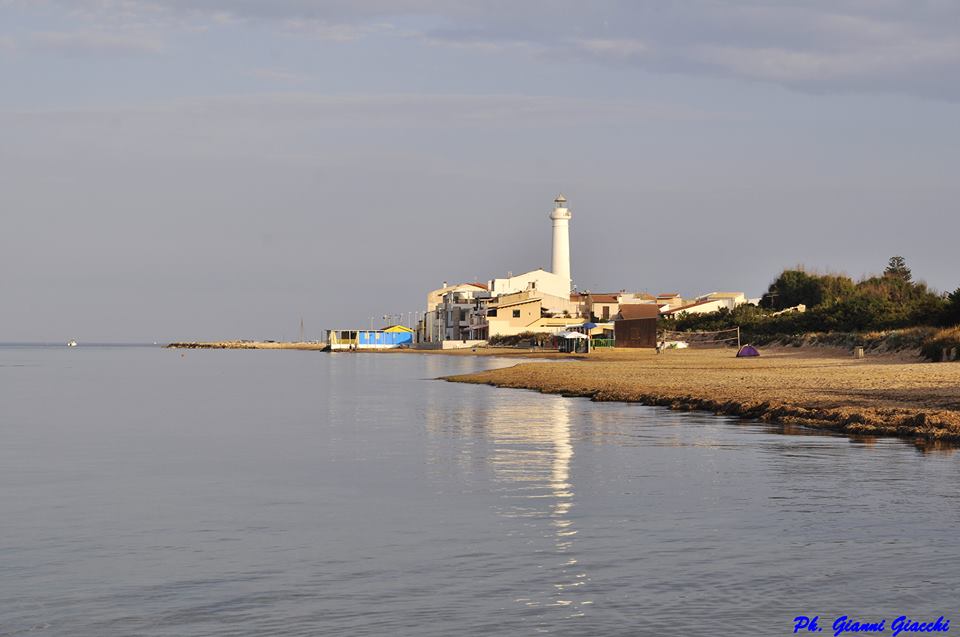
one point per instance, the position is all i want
(279, 75)
(905, 46)
(293, 112)
(358, 134)
(795, 66)
(431, 110)
(334, 32)
(624, 49)
(94, 43)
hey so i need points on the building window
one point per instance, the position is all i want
(516, 314)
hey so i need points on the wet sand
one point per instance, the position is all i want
(882, 394)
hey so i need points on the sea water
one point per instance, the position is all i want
(153, 492)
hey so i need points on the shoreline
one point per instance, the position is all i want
(885, 394)
(890, 395)
(306, 345)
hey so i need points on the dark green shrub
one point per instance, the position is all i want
(951, 309)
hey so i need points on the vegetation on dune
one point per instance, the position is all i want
(946, 339)
(835, 305)
(529, 339)
(797, 287)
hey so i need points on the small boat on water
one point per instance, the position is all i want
(72, 343)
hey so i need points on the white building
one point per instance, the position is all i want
(448, 312)
(730, 300)
(537, 281)
(697, 307)
(455, 312)
(707, 303)
(461, 312)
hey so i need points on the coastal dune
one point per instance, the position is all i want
(883, 394)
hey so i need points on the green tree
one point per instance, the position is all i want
(951, 312)
(928, 309)
(897, 269)
(793, 287)
(835, 288)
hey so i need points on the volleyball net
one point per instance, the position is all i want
(721, 338)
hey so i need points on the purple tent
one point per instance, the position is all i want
(747, 350)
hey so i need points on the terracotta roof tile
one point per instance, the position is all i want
(604, 298)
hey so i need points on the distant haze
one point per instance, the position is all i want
(220, 169)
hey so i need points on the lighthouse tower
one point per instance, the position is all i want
(561, 237)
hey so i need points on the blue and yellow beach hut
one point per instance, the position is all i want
(387, 338)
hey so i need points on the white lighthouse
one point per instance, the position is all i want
(561, 237)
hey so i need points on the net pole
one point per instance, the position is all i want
(738, 338)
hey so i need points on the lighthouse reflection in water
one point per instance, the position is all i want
(531, 467)
(526, 458)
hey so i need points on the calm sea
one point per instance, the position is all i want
(153, 492)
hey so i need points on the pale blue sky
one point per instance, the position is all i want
(217, 169)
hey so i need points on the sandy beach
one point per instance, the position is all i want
(883, 394)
